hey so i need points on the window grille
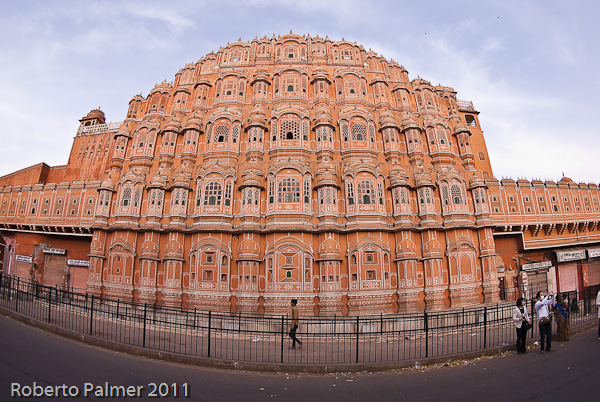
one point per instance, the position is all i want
(221, 133)
(288, 190)
(456, 194)
(358, 132)
(213, 193)
(290, 130)
(365, 192)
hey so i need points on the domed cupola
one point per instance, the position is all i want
(386, 120)
(329, 249)
(398, 177)
(249, 250)
(193, 123)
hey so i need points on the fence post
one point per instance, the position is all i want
(357, 335)
(144, 333)
(17, 297)
(426, 327)
(282, 335)
(92, 316)
(49, 305)
(485, 327)
(209, 328)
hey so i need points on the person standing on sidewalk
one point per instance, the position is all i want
(542, 309)
(295, 324)
(522, 320)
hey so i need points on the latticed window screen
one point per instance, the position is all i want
(235, 133)
(365, 192)
(228, 194)
(199, 195)
(445, 195)
(345, 132)
(350, 188)
(358, 132)
(213, 193)
(290, 130)
(271, 192)
(288, 190)
(221, 133)
(456, 194)
(126, 199)
(306, 191)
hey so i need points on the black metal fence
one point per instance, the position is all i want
(335, 340)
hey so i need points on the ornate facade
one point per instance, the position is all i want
(289, 167)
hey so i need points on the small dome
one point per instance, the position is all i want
(248, 249)
(329, 249)
(173, 125)
(194, 123)
(386, 119)
(95, 114)
(408, 122)
(565, 179)
(107, 185)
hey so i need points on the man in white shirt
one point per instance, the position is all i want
(542, 308)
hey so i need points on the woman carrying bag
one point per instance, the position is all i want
(523, 323)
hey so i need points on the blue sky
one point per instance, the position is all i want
(530, 67)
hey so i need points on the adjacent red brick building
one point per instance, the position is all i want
(295, 167)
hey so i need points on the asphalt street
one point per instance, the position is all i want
(35, 361)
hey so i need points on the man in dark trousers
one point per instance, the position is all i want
(295, 323)
(542, 308)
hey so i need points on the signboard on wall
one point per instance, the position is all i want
(58, 251)
(23, 258)
(78, 263)
(570, 255)
(593, 252)
(534, 266)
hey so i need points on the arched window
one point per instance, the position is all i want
(456, 194)
(359, 132)
(290, 130)
(221, 133)
(213, 193)
(365, 192)
(126, 200)
(288, 190)
(350, 193)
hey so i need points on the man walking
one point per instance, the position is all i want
(545, 321)
(295, 323)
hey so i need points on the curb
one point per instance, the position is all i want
(256, 366)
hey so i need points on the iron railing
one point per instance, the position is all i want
(332, 340)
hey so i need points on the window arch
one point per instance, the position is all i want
(456, 194)
(221, 133)
(213, 194)
(288, 190)
(289, 129)
(126, 198)
(365, 192)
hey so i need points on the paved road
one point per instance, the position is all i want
(29, 355)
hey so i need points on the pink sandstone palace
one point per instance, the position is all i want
(295, 167)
